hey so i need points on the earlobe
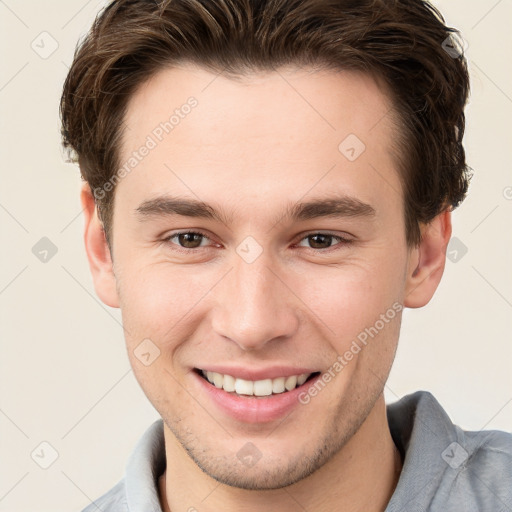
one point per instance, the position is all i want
(98, 253)
(427, 261)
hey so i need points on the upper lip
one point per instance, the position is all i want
(247, 373)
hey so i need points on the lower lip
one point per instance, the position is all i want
(251, 409)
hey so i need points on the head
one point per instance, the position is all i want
(315, 150)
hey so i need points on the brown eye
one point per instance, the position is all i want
(320, 241)
(190, 240)
(187, 240)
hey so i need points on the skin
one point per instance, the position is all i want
(251, 147)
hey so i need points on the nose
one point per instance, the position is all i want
(254, 306)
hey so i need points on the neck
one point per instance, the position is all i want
(361, 476)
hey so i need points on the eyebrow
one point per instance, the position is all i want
(339, 206)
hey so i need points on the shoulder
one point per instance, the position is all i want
(490, 445)
(446, 468)
(112, 501)
(485, 460)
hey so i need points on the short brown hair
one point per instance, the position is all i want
(403, 42)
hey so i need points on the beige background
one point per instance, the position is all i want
(65, 376)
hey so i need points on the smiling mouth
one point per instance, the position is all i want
(255, 388)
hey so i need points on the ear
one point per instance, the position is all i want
(427, 260)
(98, 253)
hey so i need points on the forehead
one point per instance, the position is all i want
(266, 135)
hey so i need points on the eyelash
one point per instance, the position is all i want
(342, 241)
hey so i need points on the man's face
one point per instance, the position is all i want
(264, 294)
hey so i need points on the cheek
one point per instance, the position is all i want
(157, 299)
(362, 309)
(352, 298)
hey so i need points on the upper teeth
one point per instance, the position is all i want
(263, 387)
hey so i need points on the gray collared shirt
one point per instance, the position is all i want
(446, 469)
